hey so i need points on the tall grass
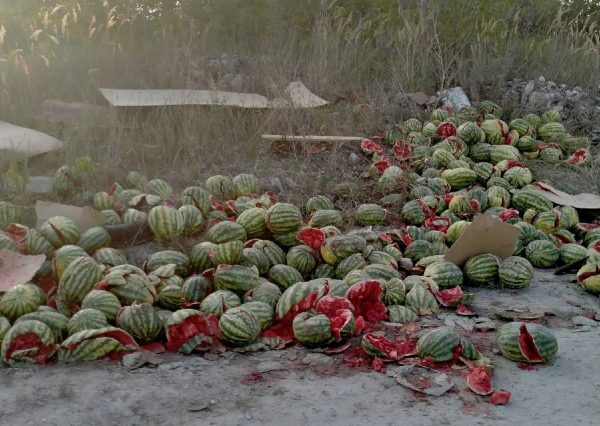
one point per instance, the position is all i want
(355, 53)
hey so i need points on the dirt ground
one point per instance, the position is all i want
(312, 388)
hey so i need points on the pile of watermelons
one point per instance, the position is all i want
(262, 274)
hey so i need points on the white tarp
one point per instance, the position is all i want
(20, 143)
(297, 96)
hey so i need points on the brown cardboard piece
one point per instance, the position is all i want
(84, 217)
(579, 201)
(17, 268)
(297, 96)
(485, 234)
(20, 143)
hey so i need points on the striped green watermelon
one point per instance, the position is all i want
(236, 278)
(128, 286)
(438, 344)
(283, 217)
(110, 257)
(545, 221)
(198, 197)
(482, 269)
(287, 239)
(421, 301)
(201, 256)
(140, 320)
(9, 213)
(542, 253)
(57, 322)
(159, 187)
(401, 314)
(526, 342)
(86, 319)
(226, 231)
(350, 263)
(195, 289)
(521, 126)
(414, 212)
(518, 176)
(101, 343)
(254, 257)
(265, 292)
(188, 330)
(498, 196)
(167, 257)
(321, 218)
(166, 223)
(273, 252)
(552, 132)
(381, 272)
(312, 330)
(244, 184)
(515, 272)
(460, 177)
(228, 253)
(20, 300)
(78, 279)
(104, 301)
(254, 221)
(550, 155)
(339, 247)
(239, 326)
(94, 238)
(469, 132)
(527, 199)
(324, 270)
(133, 216)
(588, 277)
(371, 214)
(412, 125)
(568, 217)
(28, 341)
(221, 187)
(417, 250)
(480, 152)
(570, 253)
(218, 302)
(456, 230)
(60, 231)
(318, 202)
(193, 221)
(63, 258)
(170, 297)
(263, 311)
(293, 297)
(36, 243)
(284, 276)
(302, 258)
(445, 274)
(503, 152)
(7, 243)
(527, 144)
(394, 292)
(551, 115)
(443, 157)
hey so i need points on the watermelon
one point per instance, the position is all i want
(283, 217)
(166, 223)
(526, 342)
(239, 326)
(101, 343)
(482, 269)
(254, 221)
(20, 300)
(515, 272)
(284, 276)
(86, 319)
(166, 257)
(438, 344)
(60, 231)
(318, 202)
(265, 292)
(140, 320)
(445, 274)
(312, 330)
(226, 231)
(104, 301)
(218, 302)
(588, 277)
(110, 257)
(236, 278)
(57, 322)
(401, 314)
(542, 253)
(421, 300)
(28, 341)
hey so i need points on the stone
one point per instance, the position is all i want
(266, 366)
(541, 100)
(317, 359)
(542, 78)
(579, 320)
(527, 91)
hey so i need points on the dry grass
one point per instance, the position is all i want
(352, 53)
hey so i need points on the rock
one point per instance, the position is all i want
(541, 100)
(579, 320)
(485, 326)
(354, 158)
(39, 184)
(527, 91)
(317, 359)
(542, 79)
(418, 98)
(266, 366)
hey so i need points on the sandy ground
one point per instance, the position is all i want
(317, 389)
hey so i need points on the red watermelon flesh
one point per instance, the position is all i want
(365, 296)
(339, 321)
(500, 397)
(309, 302)
(31, 342)
(312, 237)
(449, 297)
(527, 345)
(277, 336)
(479, 380)
(178, 334)
(390, 349)
(329, 305)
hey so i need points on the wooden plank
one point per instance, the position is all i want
(311, 138)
